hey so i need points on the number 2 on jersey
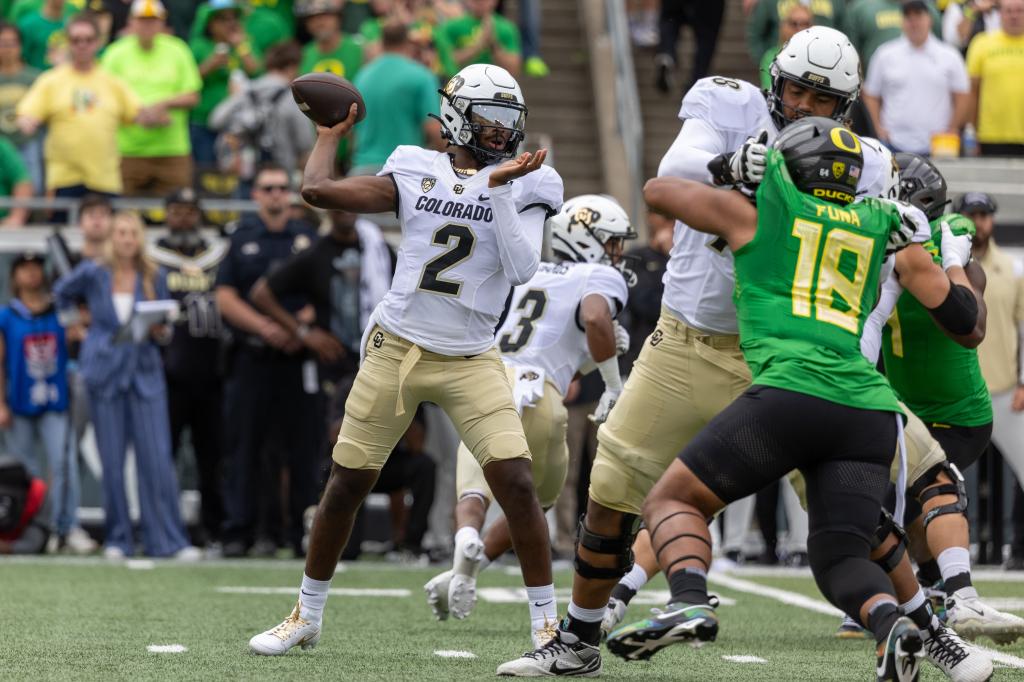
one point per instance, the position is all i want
(536, 300)
(831, 282)
(431, 279)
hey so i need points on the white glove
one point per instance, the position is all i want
(901, 237)
(747, 164)
(605, 405)
(956, 250)
(621, 338)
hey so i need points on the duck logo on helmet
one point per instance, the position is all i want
(838, 168)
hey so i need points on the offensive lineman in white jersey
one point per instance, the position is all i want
(472, 224)
(560, 322)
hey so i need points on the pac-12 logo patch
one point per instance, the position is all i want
(427, 184)
(378, 339)
(837, 169)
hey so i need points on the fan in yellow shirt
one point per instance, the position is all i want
(83, 107)
(995, 62)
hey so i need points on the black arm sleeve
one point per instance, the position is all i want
(959, 312)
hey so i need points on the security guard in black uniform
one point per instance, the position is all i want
(271, 392)
(193, 359)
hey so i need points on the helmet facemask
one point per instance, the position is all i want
(777, 107)
(492, 129)
(582, 240)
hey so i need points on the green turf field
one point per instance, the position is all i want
(66, 619)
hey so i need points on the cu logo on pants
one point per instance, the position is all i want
(378, 340)
(656, 337)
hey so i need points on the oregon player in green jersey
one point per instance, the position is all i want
(807, 272)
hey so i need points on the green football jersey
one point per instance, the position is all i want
(936, 377)
(804, 287)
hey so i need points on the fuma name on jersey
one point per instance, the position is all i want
(455, 209)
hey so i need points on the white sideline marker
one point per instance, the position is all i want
(140, 564)
(818, 606)
(744, 659)
(166, 649)
(454, 653)
(336, 591)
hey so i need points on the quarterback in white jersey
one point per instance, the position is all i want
(560, 323)
(472, 225)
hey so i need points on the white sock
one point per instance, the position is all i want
(916, 602)
(468, 538)
(636, 578)
(586, 615)
(953, 562)
(313, 598)
(543, 609)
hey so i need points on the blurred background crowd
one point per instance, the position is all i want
(212, 433)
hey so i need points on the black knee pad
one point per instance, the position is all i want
(887, 526)
(621, 546)
(957, 488)
(843, 571)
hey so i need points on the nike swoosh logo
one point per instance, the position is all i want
(308, 594)
(538, 604)
(483, 197)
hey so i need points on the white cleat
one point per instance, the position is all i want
(564, 654)
(437, 594)
(972, 618)
(292, 632)
(613, 615)
(461, 596)
(78, 541)
(543, 635)
(960, 661)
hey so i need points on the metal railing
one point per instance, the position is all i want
(70, 206)
(629, 119)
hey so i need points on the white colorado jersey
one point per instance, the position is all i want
(699, 278)
(542, 328)
(449, 287)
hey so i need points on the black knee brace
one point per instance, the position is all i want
(621, 547)
(887, 526)
(957, 487)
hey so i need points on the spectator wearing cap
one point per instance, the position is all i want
(766, 23)
(192, 358)
(15, 78)
(83, 107)
(916, 85)
(1001, 354)
(995, 62)
(159, 68)
(221, 46)
(124, 377)
(34, 399)
(261, 122)
(869, 23)
(794, 16)
(39, 26)
(480, 36)
(400, 93)
(330, 50)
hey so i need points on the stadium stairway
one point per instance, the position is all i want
(659, 110)
(561, 105)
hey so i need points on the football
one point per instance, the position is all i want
(326, 98)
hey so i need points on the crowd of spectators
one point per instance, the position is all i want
(144, 98)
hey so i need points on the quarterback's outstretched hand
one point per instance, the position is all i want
(516, 168)
(605, 405)
(342, 129)
(956, 249)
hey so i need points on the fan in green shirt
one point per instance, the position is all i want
(766, 26)
(795, 16)
(14, 182)
(38, 29)
(479, 37)
(330, 50)
(220, 45)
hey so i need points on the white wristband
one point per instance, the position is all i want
(609, 370)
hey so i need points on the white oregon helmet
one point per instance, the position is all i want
(580, 230)
(483, 95)
(819, 58)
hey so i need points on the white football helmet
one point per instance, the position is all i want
(483, 96)
(584, 226)
(819, 58)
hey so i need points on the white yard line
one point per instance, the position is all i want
(517, 595)
(336, 591)
(453, 653)
(744, 659)
(166, 649)
(818, 606)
